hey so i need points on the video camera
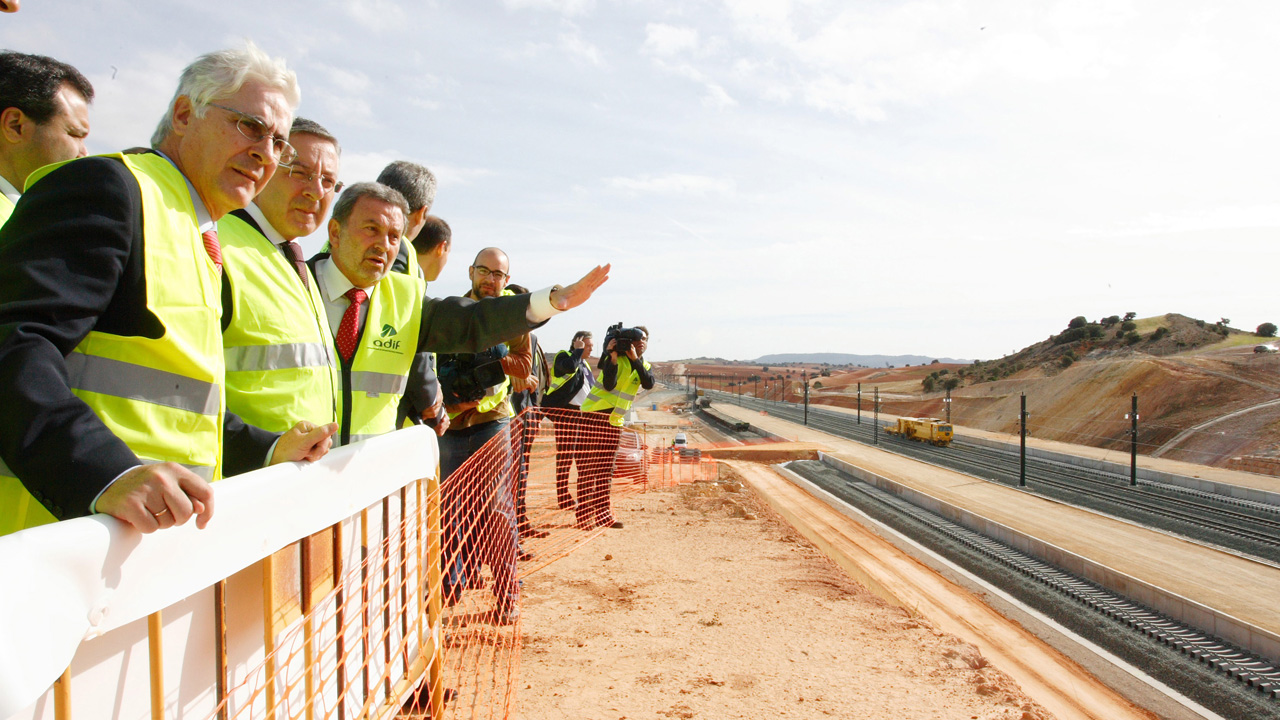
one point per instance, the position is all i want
(625, 337)
(466, 377)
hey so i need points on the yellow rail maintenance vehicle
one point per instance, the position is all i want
(930, 430)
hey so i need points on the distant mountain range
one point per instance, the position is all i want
(848, 359)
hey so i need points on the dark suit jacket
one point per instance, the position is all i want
(70, 262)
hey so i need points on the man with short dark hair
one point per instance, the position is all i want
(418, 186)
(44, 119)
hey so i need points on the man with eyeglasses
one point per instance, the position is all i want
(109, 301)
(278, 346)
(480, 512)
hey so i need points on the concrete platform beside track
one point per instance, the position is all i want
(1235, 591)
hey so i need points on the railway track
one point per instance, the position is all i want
(1071, 600)
(1242, 526)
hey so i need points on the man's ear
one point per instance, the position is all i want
(334, 229)
(14, 125)
(183, 113)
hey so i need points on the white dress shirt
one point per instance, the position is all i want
(9, 191)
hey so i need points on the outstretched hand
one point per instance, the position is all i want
(570, 297)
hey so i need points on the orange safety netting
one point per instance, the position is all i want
(424, 618)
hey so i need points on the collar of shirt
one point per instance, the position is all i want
(333, 284)
(203, 218)
(9, 190)
(268, 229)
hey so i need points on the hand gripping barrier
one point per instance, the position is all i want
(252, 607)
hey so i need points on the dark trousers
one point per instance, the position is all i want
(478, 507)
(568, 427)
(595, 507)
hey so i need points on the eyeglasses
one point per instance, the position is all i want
(302, 173)
(255, 131)
(485, 272)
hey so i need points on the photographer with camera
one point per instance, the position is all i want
(480, 520)
(623, 371)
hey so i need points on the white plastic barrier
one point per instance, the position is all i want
(77, 594)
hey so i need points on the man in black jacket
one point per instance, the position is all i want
(571, 380)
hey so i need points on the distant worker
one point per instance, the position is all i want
(281, 364)
(111, 345)
(571, 380)
(623, 372)
(44, 119)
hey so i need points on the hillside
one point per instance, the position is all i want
(869, 361)
(1204, 396)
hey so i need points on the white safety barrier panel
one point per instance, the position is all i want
(93, 601)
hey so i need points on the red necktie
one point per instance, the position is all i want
(212, 247)
(348, 329)
(293, 251)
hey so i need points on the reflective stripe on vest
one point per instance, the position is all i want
(163, 397)
(384, 355)
(261, 358)
(281, 365)
(374, 383)
(104, 376)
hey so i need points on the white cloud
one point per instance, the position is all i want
(568, 8)
(667, 40)
(673, 184)
(573, 44)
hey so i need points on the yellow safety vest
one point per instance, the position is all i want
(617, 401)
(378, 374)
(163, 397)
(281, 365)
(558, 380)
(6, 208)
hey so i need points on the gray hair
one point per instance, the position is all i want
(305, 126)
(347, 201)
(221, 74)
(414, 181)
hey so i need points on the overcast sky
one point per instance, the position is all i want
(938, 178)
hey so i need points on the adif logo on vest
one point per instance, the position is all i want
(387, 341)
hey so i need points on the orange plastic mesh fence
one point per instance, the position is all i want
(513, 498)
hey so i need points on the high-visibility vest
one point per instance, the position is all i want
(163, 397)
(281, 363)
(558, 380)
(6, 208)
(617, 401)
(376, 378)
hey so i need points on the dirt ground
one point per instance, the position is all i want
(706, 605)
